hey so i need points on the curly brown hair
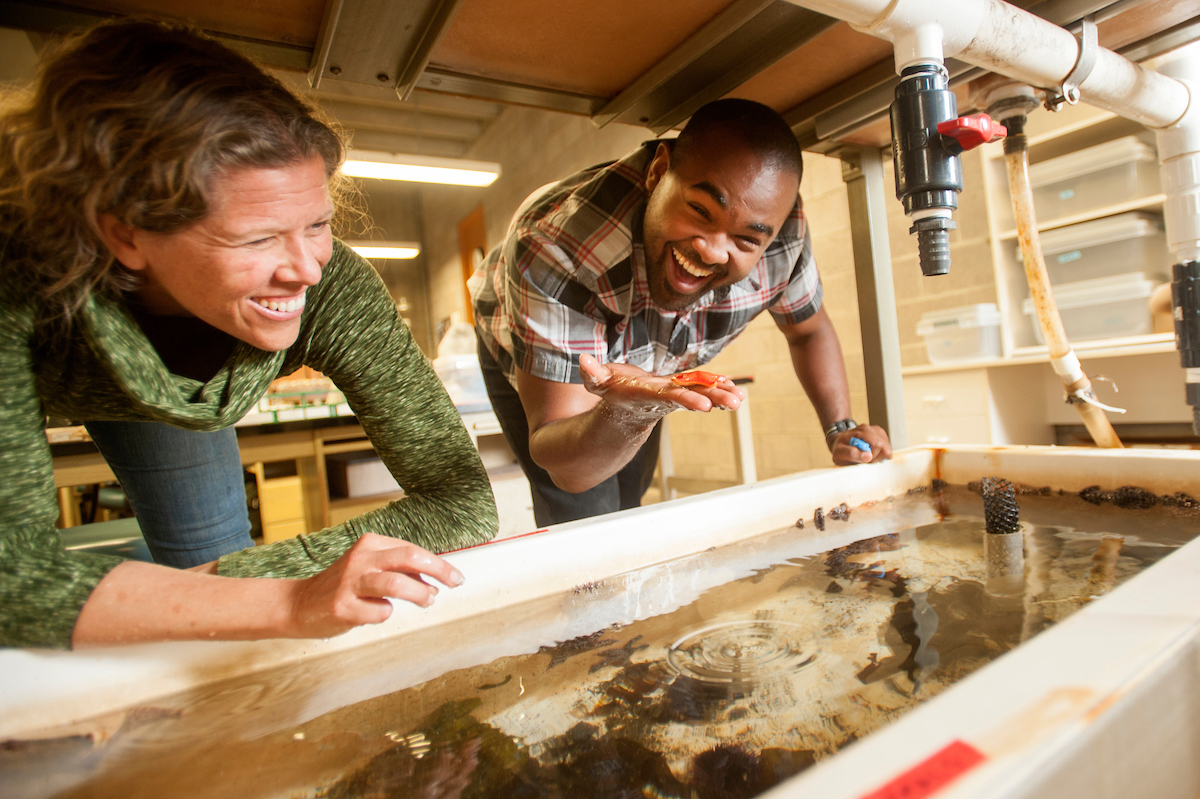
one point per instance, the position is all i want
(135, 119)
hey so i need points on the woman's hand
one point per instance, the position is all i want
(356, 588)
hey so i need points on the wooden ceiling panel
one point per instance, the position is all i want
(821, 64)
(582, 46)
(289, 21)
(1144, 20)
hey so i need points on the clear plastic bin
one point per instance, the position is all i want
(463, 379)
(1106, 307)
(1132, 242)
(969, 333)
(1083, 181)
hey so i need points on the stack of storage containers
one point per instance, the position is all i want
(955, 335)
(1102, 270)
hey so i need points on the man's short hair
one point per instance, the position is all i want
(757, 126)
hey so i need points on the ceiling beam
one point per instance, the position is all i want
(440, 80)
(362, 139)
(733, 48)
(402, 120)
(699, 43)
(383, 97)
(30, 15)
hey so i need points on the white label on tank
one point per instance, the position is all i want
(1066, 194)
(1067, 257)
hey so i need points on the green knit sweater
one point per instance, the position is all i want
(106, 369)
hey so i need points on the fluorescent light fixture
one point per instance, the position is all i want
(419, 168)
(402, 250)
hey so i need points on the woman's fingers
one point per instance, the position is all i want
(393, 585)
(356, 588)
(412, 559)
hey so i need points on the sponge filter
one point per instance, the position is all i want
(1000, 512)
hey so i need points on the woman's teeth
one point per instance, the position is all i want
(284, 307)
(689, 267)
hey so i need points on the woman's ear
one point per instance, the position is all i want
(122, 241)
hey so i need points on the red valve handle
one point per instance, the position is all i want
(972, 131)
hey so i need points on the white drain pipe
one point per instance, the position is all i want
(1003, 38)
(1179, 152)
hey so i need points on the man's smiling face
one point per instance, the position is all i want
(710, 217)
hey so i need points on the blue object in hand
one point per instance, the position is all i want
(858, 442)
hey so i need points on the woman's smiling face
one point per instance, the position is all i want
(709, 219)
(245, 267)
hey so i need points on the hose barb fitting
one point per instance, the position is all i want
(1185, 297)
(927, 138)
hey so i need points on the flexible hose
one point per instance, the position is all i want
(1016, 156)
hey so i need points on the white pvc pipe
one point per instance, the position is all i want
(1003, 38)
(1179, 151)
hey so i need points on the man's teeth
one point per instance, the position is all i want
(285, 307)
(689, 267)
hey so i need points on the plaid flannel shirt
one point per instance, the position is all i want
(570, 278)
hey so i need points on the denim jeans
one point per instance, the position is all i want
(552, 505)
(186, 488)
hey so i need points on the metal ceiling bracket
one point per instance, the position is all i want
(384, 43)
(1068, 92)
(410, 71)
(320, 56)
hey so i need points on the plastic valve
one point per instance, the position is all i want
(972, 131)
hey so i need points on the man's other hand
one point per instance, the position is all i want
(845, 452)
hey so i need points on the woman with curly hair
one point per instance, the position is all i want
(165, 248)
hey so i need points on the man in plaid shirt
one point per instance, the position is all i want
(621, 275)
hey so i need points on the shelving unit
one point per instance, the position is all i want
(1050, 136)
(1016, 398)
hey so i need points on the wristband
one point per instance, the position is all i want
(840, 426)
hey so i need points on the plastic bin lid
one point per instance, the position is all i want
(1098, 291)
(982, 315)
(1099, 232)
(453, 362)
(1091, 159)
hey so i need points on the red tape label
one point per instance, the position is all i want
(931, 774)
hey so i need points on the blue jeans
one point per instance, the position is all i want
(186, 488)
